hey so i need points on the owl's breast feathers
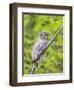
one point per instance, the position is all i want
(39, 46)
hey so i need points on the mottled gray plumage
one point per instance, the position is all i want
(39, 46)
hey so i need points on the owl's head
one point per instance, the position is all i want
(43, 35)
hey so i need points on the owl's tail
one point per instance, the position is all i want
(34, 66)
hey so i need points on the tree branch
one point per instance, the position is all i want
(52, 39)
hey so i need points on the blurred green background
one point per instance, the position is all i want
(52, 61)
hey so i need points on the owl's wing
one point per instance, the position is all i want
(37, 50)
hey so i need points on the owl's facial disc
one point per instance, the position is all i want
(43, 35)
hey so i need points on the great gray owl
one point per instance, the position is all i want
(38, 48)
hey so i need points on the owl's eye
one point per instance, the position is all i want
(41, 35)
(46, 34)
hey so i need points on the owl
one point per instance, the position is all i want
(38, 48)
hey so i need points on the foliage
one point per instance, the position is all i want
(52, 61)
